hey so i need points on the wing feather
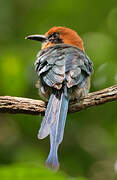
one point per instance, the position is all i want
(61, 63)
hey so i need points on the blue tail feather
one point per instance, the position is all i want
(48, 119)
(57, 130)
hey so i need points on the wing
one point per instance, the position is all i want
(61, 63)
(78, 67)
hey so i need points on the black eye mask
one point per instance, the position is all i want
(54, 38)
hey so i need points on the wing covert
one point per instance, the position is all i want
(63, 62)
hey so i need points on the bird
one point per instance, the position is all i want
(64, 72)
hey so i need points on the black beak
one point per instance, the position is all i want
(41, 38)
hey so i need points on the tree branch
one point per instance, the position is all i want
(20, 105)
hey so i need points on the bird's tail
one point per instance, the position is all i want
(53, 124)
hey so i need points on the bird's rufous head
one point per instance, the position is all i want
(57, 35)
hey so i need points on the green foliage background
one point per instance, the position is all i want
(89, 148)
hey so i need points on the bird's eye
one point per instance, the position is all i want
(55, 38)
(55, 35)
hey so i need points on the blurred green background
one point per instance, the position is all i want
(89, 148)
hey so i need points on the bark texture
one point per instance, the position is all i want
(16, 105)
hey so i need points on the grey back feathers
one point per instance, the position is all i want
(61, 63)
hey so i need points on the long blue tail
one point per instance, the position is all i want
(53, 124)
